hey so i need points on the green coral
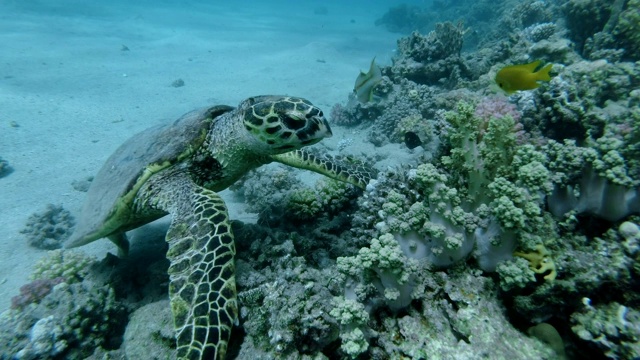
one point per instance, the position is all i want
(600, 178)
(349, 312)
(334, 195)
(71, 265)
(329, 196)
(515, 274)
(488, 165)
(480, 150)
(567, 160)
(609, 161)
(382, 256)
(442, 199)
(627, 29)
(384, 265)
(352, 317)
(303, 204)
(354, 343)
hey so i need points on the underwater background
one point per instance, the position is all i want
(502, 221)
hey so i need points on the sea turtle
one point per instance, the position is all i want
(177, 169)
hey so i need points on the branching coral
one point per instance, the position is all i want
(50, 228)
(434, 57)
(72, 266)
(585, 18)
(613, 328)
(627, 30)
(446, 40)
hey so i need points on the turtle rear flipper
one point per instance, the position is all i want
(202, 287)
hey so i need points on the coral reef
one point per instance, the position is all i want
(328, 197)
(613, 328)
(70, 322)
(70, 265)
(539, 32)
(627, 30)
(267, 200)
(149, 333)
(49, 229)
(275, 193)
(585, 18)
(457, 315)
(583, 99)
(33, 292)
(433, 58)
(530, 12)
(515, 274)
(285, 302)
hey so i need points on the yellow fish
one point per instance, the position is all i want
(366, 82)
(522, 77)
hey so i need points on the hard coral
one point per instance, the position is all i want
(627, 30)
(71, 322)
(72, 266)
(285, 300)
(441, 43)
(303, 204)
(613, 328)
(433, 58)
(33, 292)
(582, 100)
(50, 228)
(585, 18)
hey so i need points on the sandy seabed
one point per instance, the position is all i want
(70, 92)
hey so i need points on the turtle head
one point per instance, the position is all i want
(283, 123)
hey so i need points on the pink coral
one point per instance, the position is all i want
(34, 291)
(496, 107)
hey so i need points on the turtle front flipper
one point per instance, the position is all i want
(202, 287)
(338, 169)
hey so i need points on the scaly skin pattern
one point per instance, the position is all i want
(337, 169)
(202, 288)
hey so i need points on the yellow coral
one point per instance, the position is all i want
(540, 262)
